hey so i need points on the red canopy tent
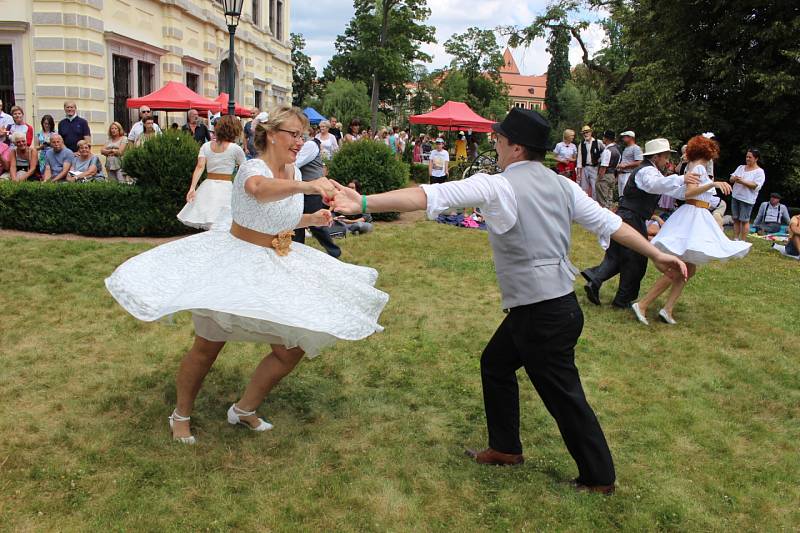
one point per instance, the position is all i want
(174, 96)
(239, 111)
(454, 116)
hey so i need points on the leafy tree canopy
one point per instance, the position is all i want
(304, 74)
(345, 100)
(675, 70)
(361, 52)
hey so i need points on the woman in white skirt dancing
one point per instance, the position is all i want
(691, 232)
(251, 282)
(205, 204)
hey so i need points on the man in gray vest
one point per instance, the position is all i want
(529, 210)
(309, 161)
(607, 173)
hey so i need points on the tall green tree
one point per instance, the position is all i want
(557, 72)
(345, 100)
(304, 75)
(379, 47)
(476, 60)
(675, 70)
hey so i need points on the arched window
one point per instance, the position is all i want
(223, 78)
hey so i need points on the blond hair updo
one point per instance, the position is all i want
(277, 117)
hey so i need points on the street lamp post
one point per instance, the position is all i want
(233, 10)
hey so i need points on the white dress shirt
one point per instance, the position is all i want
(138, 128)
(650, 179)
(308, 152)
(495, 197)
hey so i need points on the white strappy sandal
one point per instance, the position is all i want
(175, 417)
(234, 414)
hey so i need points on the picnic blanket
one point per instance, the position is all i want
(460, 221)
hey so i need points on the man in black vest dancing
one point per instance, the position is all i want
(309, 161)
(640, 199)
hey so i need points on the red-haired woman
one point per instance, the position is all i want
(691, 233)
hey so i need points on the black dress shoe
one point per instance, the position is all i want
(592, 293)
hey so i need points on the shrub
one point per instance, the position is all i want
(373, 164)
(419, 173)
(165, 161)
(95, 208)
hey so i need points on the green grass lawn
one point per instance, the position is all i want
(703, 418)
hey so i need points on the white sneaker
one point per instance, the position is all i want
(234, 414)
(175, 417)
(666, 317)
(639, 315)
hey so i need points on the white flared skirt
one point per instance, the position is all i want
(692, 234)
(241, 291)
(212, 201)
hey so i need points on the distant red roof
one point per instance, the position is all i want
(521, 86)
(509, 65)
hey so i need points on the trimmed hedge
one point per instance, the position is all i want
(374, 165)
(163, 169)
(419, 173)
(94, 208)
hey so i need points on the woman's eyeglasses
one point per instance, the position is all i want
(295, 134)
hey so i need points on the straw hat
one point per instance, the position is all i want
(657, 146)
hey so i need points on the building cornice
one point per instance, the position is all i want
(19, 26)
(195, 62)
(121, 39)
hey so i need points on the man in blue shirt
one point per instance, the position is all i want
(73, 128)
(58, 160)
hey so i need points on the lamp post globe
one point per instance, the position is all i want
(233, 10)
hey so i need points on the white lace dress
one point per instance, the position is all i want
(241, 291)
(213, 197)
(692, 234)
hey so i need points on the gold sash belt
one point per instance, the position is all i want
(699, 203)
(218, 176)
(280, 243)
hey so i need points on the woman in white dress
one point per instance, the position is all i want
(691, 232)
(328, 144)
(219, 158)
(251, 282)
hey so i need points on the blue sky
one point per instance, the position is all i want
(320, 21)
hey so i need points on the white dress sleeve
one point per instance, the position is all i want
(254, 167)
(238, 154)
(205, 150)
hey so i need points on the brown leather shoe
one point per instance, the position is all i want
(606, 490)
(493, 457)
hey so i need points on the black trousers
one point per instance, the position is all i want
(631, 266)
(312, 204)
(541, 337)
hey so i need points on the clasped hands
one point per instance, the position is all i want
(340, 199)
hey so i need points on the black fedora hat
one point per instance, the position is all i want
(525, 127)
